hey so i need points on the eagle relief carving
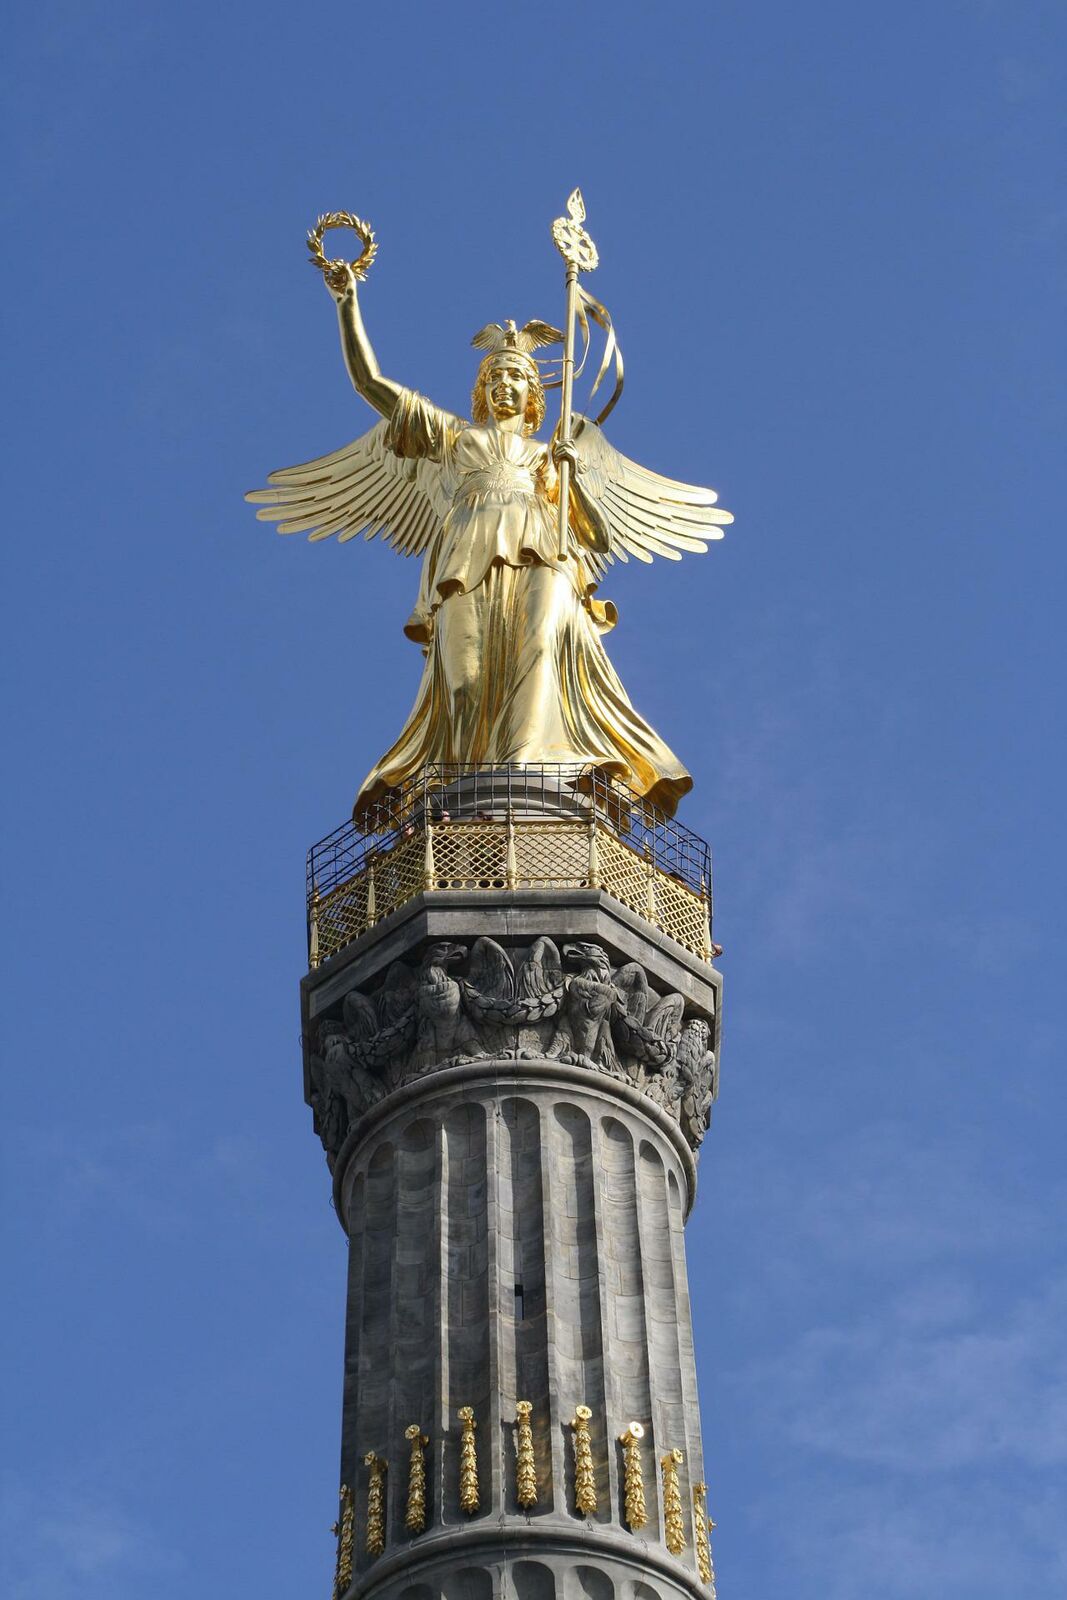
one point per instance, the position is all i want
(458, 1005)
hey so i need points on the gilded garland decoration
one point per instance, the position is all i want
(584, 1480)
(468, 1462)
(635, 1509)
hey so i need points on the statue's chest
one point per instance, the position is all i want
(489, 450)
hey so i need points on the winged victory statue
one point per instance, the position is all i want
(515, 535)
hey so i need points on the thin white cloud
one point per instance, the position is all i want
(917, 1415)
(143, 1174)
(887, 1199)
(974, 1541)
(883, 1391)
(67, 1542)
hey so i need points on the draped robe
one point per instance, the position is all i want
(515, 668)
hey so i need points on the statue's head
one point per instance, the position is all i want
(508, 385)
(509, 382)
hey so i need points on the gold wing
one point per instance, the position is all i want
(364, 488)
(648, 515)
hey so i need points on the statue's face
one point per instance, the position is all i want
(507, 389)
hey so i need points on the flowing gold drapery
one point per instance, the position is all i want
(515, 668)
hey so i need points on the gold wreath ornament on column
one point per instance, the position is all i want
(334, 270)
(468, 1462)
(702, 1523)
(673, 1525)
(375, 1503)
(345, 1529)
(633, 1485)
(415, 1519)
(584, 1482)
(525, 1472)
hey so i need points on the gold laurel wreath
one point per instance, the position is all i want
(331, 269)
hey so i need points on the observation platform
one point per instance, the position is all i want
(538, 826)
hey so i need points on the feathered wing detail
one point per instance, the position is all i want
(491, 971)
(632, 984)
(396, 995)
(491, 337)
(541, 971)
(648, 515)
(531, 336)
(664, 1019)
(537, 334)
(359, 1015)
(363, 488)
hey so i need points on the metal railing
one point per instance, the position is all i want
(531, 827)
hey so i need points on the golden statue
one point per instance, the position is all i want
(515, 535)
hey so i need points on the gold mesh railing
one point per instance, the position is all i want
(529, 853)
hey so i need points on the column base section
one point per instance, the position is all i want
(535, 1561)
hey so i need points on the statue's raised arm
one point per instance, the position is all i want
(342, 279)
(389, 480)
(367, 378)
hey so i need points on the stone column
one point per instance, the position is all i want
(511, 1087)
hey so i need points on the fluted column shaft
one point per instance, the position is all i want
(516, 1234)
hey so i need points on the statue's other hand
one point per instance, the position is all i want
(566, 450)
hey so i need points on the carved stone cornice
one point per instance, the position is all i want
(460, 1002)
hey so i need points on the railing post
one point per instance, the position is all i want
(372, 903)
(707, 919)
(428, 871)
(511, 870)
(594, 853)
(650, 884)
(313, 930)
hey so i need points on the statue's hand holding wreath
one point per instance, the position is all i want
(341, 276)
(340, 279)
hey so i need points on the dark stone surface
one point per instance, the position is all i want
(516, 1232)
(451, 977)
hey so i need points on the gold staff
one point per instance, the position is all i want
(580, 254)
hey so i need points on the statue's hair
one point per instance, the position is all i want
(535, 403)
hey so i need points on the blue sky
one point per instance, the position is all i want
(832, 243)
